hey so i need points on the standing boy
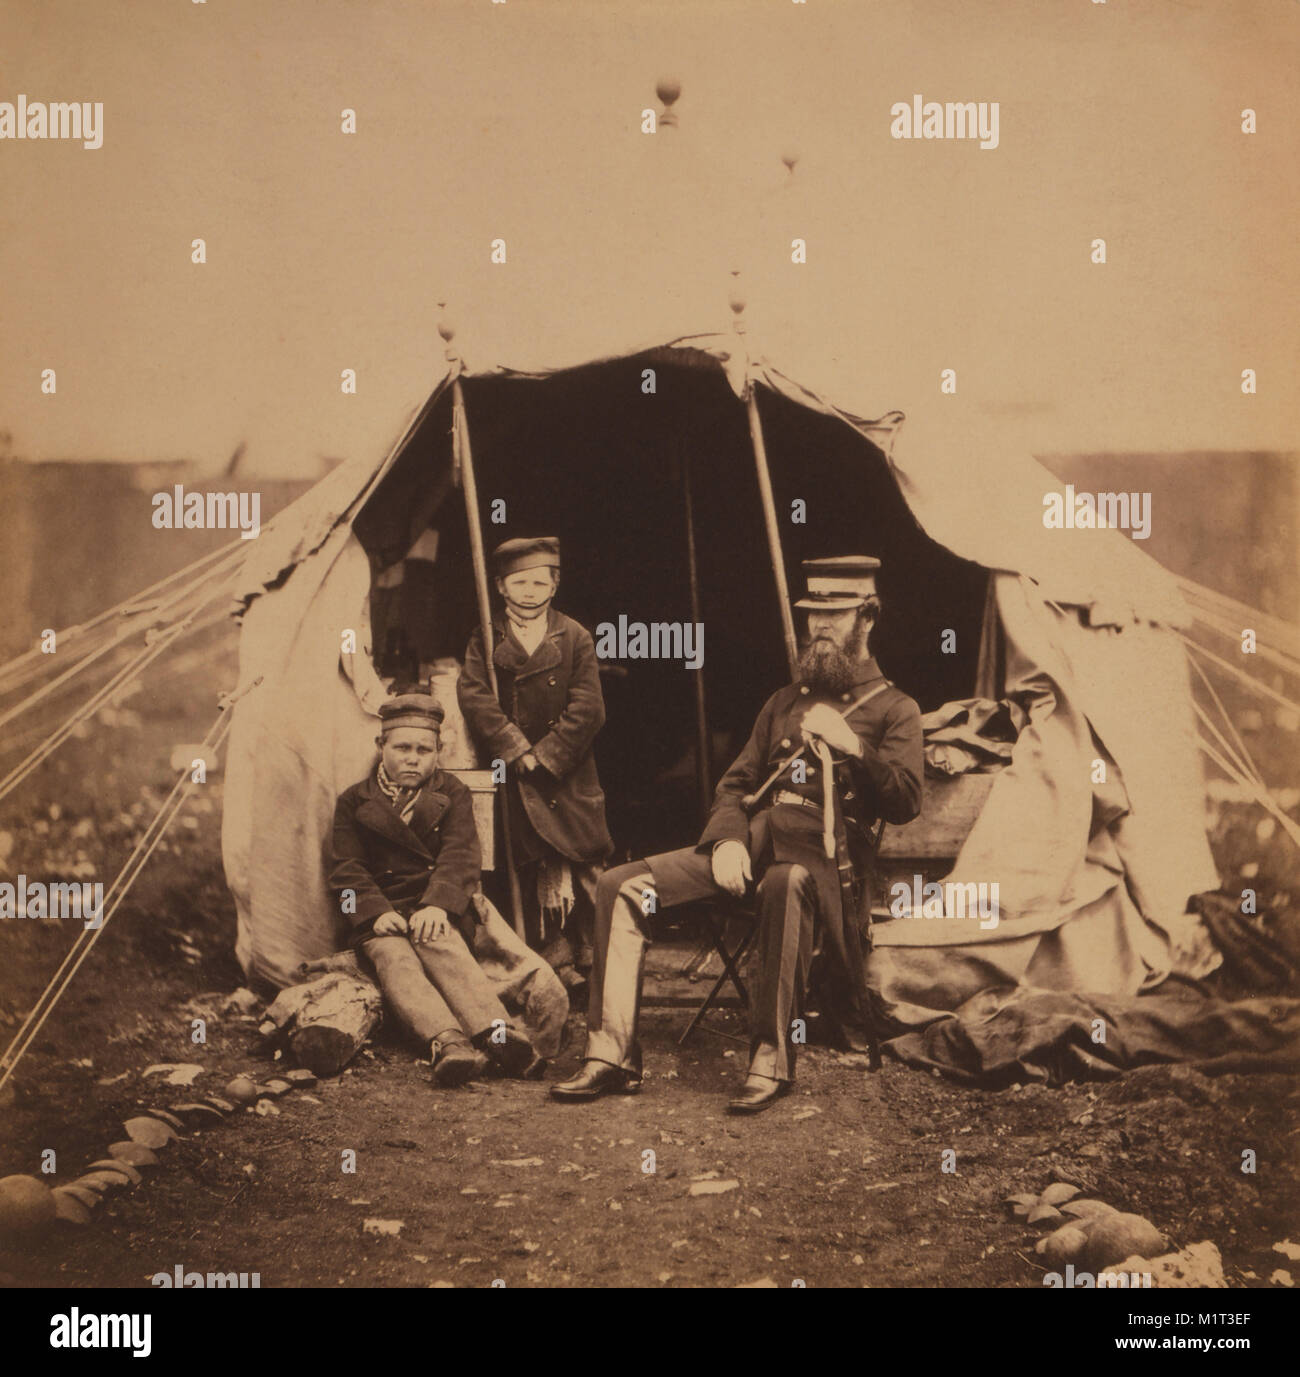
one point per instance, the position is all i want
(543, 726)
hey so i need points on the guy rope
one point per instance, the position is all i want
(117, 891)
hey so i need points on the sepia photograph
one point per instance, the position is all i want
(650, 645)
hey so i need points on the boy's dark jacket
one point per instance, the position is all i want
(434, 862)
(551, 704)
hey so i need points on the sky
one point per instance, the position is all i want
(522, 121)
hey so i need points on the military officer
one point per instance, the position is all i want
(543, 725)
(851, 721)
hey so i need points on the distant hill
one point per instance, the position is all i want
(1228, 519)
(80, 537)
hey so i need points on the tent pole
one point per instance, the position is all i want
(703, 765)
(465, 462)
(773, 531)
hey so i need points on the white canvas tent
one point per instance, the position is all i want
(1093, 877)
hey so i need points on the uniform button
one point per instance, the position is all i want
(803, 688)
(551, 681)
(552, 722)
(551, 803)
(810, 771)
(846, 698)
(785, 743)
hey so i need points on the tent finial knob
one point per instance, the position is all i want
(445, 328)
(669, 90)
(736, 299)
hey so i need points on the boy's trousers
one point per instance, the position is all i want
(436, 989)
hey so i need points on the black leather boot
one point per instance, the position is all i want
(596, 1078)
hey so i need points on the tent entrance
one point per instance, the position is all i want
(591, 457)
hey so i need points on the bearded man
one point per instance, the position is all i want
(785, 847)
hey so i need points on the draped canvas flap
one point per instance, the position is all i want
(296, 744)
(1085, 901)
(1032, 838)
(1133, 683)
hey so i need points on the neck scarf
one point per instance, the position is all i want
(401, 799)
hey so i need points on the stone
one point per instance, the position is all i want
(1063, 1245)
(152, 1132)
(196, 1114)
(242, 1090)
(1198, 1265)
(1087, 1209)
(69, 1207)
(26, 1204)
(136, 1153)
(102, 1181)
(116, 1164)
(712, 1187)
(1115, 1236)
(87, 1197)
(243, 1001)
(168, 1118)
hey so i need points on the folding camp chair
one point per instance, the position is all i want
(716, 917)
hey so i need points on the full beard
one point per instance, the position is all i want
(825, 668)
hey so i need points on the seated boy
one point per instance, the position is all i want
(404, 862)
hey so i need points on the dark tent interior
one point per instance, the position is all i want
(588, 456)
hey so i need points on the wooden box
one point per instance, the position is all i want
(481, 786)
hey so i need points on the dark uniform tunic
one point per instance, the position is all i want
(431, 862)
(550, 704)
(886, 784)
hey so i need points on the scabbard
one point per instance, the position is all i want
(851, 937)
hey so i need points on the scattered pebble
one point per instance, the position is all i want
(388, 1227)
(712, 1187)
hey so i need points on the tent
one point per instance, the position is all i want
(603, 448)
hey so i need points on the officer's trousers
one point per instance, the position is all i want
(787, 911)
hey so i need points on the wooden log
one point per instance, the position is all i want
(326, 1021)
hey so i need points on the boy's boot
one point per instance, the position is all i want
(507, 1048)
(454, 1060)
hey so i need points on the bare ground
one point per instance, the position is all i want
(841, 1184)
